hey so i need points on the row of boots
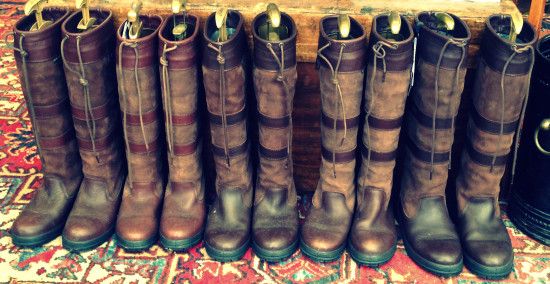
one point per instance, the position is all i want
(68, 77)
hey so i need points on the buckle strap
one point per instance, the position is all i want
(185, 119)
(231, 152)
(148, 117)
(329, 122)
(273, 154)
(98, 112)
(343, 157)
(378, 156)
(271, 122)
(46, 111)
(426, 121)
(230, 118)
(424, 155)
(492, 126)
(136, 148)
(184, 150)
(484, 159)
(385, 124)
(59, 141)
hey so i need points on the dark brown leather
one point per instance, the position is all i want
(139, 99)
(184, 211)
(427, 228)
(329, 219)
(92, 83)
(45, 91)
(224, 72)
(483, 235)
(373, 235)
(275, 217)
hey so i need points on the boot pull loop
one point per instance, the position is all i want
(166, 95)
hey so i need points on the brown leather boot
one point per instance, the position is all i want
(228, 227)
(373, 236)
(139, 94)
(429, 234)
(500, 91)
(275, 218)
(341, 64)
(44, 87)
(184, 210)
(89, 58)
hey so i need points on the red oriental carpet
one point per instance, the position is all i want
(19, 177)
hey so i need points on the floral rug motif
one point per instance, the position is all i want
(19, 177)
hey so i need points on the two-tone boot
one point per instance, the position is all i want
(499, 96)
(139, 98)
(373, 236)
(43, 81)
(227, 233)
(275, 217)
(89, 58)
(428, 233)
(184, 211)
(341, 72)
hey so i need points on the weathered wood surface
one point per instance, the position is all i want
(308, 13)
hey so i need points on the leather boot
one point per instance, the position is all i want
(373, 236)
(428, 233)
(45, 91)
(139, 94)
(275, 218)
(89, 58)
(184, 210)
(341, 72)
(500, 91)
(227, 232)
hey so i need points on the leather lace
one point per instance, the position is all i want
(165, 77)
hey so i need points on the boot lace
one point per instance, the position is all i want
(165, 77)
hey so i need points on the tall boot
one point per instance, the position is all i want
(41, 72)
(500, 91)
(184, 210)
(228, 227)
(429, 234)
(373, 236)
(89, 58)
(341, 72)
(275, 218)
(139, 94)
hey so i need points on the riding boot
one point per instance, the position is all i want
(428, 233)
(275, 217)
(373, 236)
(45, 91)
(227, 232)
(341, 72)
(139, 99)
(499, 98)
(89, 59)
(184, 210)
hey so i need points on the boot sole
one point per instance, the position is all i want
(180, 245)
(226, 255)
(39, 240)
(371, 260)
(488, 272)
(321, 256)
(442, 270)
(135, 246)
(274, 255)
(81, 246)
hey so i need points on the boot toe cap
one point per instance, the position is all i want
(136, 228)
(275, 238)
(322, 240)
(373, 243)
(83, 229)
(226, 240)
(490, 253)
(179, 228)
(445, 252)
(30, 224)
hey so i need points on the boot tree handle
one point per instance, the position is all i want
(221, 23)
(87, 21)
(179, 30)
(135, 24)
(36, 6)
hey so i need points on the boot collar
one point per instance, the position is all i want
(185, 52)
(230, 52)
(263, 58)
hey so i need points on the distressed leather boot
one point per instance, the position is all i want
(341, 72)
(184, 211)
(275, 218)
(227, 232)
(373, 236)
(428, 233)
(43, 81)
(139, 99)
(499, 97)
(89, 59)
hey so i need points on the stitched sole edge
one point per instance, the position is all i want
(275, 255)
(321, 256)
(226, 255)
(135, 246)
(36, 241)
(371, 260)
(488, 272)
(80, 246)
(430, 266)
(180, 245)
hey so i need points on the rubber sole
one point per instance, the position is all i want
(488, 272)
(36, 241)
(430, 266)
(322, 256)
(80, 246)
(370, 260)
(274, 255)
(135, 245)
(226, 255)
(180, 245)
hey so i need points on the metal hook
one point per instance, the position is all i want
(445, 21)
(273, 23)
(394, 20)
(37, 7)
(86, 22)
(221, 23)
(516, 25)
(544, 125)
(179, 30)
(133, 20)
(344, 25)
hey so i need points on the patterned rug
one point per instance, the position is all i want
(19, 177)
